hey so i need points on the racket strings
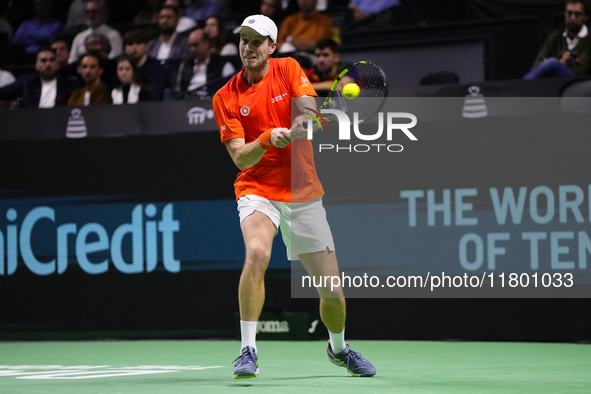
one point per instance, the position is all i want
(373, 89)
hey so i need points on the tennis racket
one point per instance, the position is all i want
(373, 90)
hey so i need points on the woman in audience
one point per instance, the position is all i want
(216, 30)
(128, 88)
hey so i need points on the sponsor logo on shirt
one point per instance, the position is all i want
(278, 98)
(244, 111)
(305, 82)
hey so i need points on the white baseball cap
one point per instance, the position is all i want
(261, 24)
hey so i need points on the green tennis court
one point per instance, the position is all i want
(178, 367)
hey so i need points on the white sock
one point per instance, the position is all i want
(337, 341)
(248, 333)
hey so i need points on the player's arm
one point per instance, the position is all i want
(307, 107)
(245, 155)
(324, 85)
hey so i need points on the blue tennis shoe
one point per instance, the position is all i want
(247, 364)
(355, 364)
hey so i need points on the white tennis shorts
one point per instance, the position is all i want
(303, 225)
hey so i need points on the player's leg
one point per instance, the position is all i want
(258, 230)
(308, 237)
(332, 303)
(333, 313)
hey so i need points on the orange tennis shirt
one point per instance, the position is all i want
(242, 111)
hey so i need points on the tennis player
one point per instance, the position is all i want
(253, 113)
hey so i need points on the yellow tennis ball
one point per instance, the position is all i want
(351, 90)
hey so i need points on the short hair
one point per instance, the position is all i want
(98, 38)
(101, 2)
(95, 55)
(170, 7)
(44, 48)
(181, 5)
(585, 3)
(135, 36)
(60, 39)
(327, 43)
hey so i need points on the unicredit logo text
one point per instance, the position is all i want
(142, 231)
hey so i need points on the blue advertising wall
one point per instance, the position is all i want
(47, 236)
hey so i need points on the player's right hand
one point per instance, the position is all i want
(299, 128)
(281, 137)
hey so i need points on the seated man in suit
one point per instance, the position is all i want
(151, 72)
(45, 89)
(170, 44)
(94, 91)
(185, 23)
(204, 70)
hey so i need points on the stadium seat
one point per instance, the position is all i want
(575, 96)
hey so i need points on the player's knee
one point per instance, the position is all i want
(258, 255)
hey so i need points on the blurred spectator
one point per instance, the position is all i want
(128, 87)
(95, 18)
(303, 59)
(36, 32)
(149, 69)
(301, 31)
(220, 37)
(567, 52)
(149, 13)
(272, 9)
(185, 23)
(5, 27)
(99, 45)
(76, 21)
(328, 65)
(363, 9)
(94, 90)
(61, 48)
(45, 89)
(170, 44)
(17, 11)
(6, 77)
(205, 68)
(200, 10)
